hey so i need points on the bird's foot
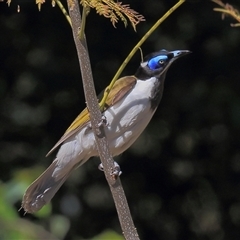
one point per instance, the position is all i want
(116, 171)
(103, 121)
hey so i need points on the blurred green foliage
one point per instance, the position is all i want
(182, 176)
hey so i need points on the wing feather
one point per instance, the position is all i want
(121, 87)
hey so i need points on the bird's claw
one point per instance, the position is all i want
(116, 171)
(103, 121)
(100, 167)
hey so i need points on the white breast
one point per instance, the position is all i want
(129, 117)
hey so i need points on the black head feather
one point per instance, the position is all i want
(156, 65)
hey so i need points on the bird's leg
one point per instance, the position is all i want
(101, 125)
(103, 121)
(116, 171)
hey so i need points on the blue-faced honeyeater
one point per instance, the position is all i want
(129, 107)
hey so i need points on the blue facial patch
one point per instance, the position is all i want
(155, 62)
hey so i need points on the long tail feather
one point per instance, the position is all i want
(42, 190)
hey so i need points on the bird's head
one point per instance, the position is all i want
(156, 64)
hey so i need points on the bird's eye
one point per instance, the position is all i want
(157, 62)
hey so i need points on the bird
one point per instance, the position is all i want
(128, 109)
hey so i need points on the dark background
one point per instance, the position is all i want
(182, 176)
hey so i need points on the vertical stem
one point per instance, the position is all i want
(119, 197)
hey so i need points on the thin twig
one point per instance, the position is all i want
(62, 8)
(83, 23)
(119, 197)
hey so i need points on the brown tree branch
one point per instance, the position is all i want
(119, 197)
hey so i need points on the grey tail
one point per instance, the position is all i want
(42, 190)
